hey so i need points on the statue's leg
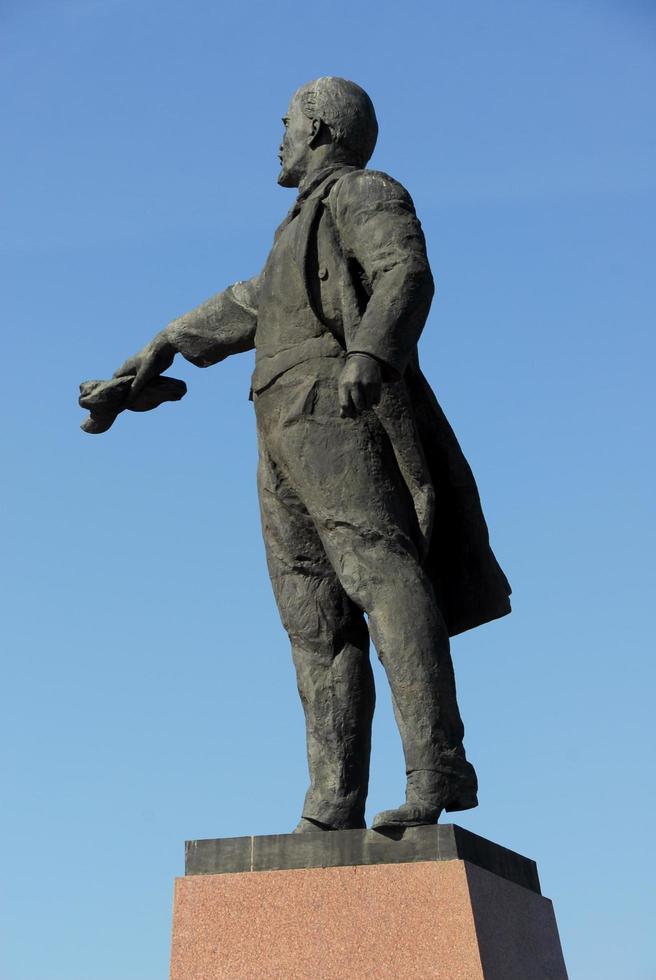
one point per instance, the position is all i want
(411, 639)
(345, 473)
(330, 648)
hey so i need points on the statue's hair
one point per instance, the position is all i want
(347, 111)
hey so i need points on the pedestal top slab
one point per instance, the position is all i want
(343, 848)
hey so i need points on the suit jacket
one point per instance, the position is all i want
(362, 254)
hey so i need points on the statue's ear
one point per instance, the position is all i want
(319, 135)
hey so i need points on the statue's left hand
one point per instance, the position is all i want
(359, 385)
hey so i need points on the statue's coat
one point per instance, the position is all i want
(362, 255)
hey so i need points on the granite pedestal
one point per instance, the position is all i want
(434, 902)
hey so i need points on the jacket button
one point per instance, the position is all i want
(323, 272)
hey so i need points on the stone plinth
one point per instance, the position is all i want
(437, 902)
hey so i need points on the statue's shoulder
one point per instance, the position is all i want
(368, 188)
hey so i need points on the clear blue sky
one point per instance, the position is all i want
(148, 694)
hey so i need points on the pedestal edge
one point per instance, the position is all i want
(341, 848)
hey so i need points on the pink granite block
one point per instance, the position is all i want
(444, 920)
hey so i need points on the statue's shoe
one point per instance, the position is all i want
(308, 826)
(419, 813)
(407, 815)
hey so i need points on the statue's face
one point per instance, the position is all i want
(295, 150)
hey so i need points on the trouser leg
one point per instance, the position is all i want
(345, 473)
(408, 631)
(335, 683)
(330, 649)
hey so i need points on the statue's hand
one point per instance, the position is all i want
(154, 359)
(359, 385)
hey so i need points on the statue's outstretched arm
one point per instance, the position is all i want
(223, 325)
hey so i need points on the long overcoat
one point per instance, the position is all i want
(362, 255)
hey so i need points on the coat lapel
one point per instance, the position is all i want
(308, 220)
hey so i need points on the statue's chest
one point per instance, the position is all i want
(285, 315)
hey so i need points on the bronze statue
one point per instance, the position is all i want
(369, 508)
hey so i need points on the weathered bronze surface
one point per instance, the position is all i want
(369, 508)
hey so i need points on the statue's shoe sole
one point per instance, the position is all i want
(406, 816)
(416, 815)
(307, 826)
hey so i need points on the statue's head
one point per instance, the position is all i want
(330, 120)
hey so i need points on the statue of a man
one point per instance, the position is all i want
(370, 513)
